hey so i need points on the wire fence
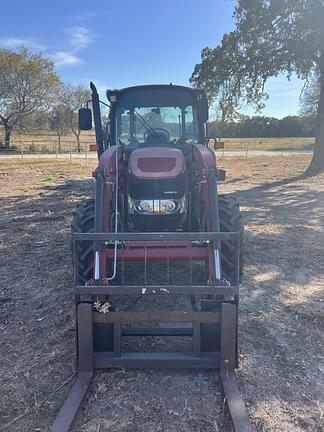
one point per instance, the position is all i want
(266, 144)
(66, 147)
(49, 146)
(51, 143)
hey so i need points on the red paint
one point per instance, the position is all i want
(160, 251)
(205, 158)
(107, 168)
(93, 147)
(205, 161)
(107, 161)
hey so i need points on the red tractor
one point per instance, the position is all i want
(156, 201)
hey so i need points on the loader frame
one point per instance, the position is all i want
(224, 360)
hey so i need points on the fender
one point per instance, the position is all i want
(107, 161)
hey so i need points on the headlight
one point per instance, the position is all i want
(144, 206)
(167, 206)
(157, 207)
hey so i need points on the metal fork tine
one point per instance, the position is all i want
(123, 267)
(75, 264)
(145, 263)
(168, 263)
(190, 270)
(238, 261)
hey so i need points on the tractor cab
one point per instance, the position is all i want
(148, 116)
(157, 115)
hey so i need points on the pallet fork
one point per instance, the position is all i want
(223, 360)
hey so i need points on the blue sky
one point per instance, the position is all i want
(123, 42)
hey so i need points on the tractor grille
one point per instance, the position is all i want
(155, 189)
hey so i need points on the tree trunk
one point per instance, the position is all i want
(7, 136)
(76, 132)
(59, 141)
(317, 163)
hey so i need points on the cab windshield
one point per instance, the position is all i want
(156, 125)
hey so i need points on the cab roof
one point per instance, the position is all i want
(155, 94)
(153, 87)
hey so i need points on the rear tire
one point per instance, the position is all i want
(230, 219)
(83, 222)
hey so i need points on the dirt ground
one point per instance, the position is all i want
(281, 315)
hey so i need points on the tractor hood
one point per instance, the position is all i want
(156, 163)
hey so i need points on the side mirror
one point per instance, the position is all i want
(214, 144)
(202, 105)
(85, 119)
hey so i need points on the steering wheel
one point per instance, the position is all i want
(157, 131)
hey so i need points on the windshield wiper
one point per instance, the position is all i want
(144, 122)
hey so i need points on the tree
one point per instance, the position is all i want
(73, 98)
(264, 127)
(271, 37)
(59, 121)
(27, 84)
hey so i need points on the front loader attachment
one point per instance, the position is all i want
(211, 322)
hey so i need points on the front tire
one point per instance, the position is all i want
(83, 222)
(230, 220)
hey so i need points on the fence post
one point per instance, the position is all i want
(86, 154)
